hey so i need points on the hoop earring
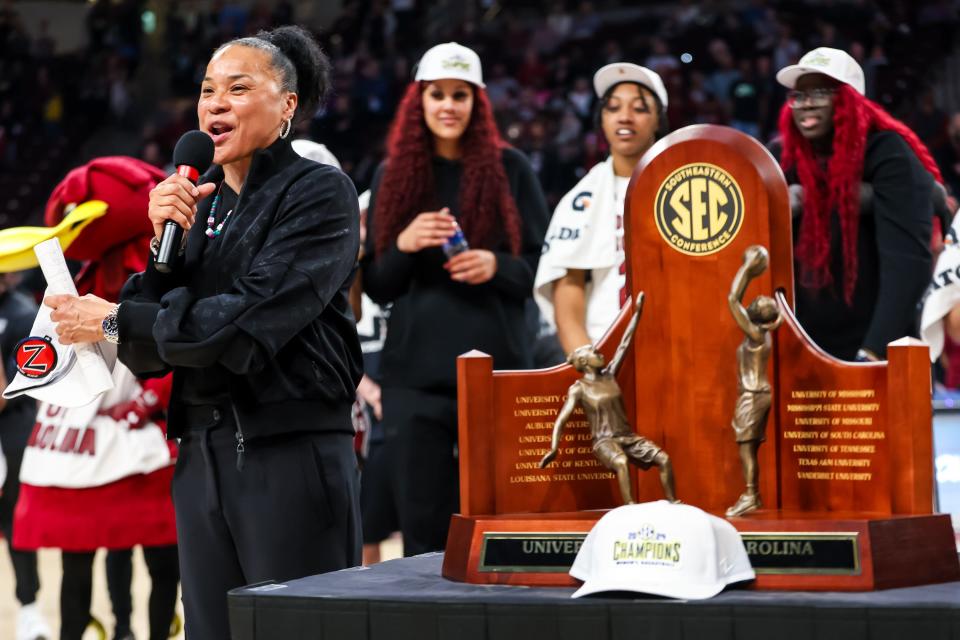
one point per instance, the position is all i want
(284, 133)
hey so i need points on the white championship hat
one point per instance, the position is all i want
(450, 60)
(664, 549)
(618, 72)
(49, 371)
(834, 63)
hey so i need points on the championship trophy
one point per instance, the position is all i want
(846, 473)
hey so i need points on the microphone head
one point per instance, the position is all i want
(194, 149)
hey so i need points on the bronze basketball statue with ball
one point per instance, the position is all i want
(615, 444)
(753, 403)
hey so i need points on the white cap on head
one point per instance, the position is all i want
(618, 72)
(315, 151)
(664, 549)
(450, 61)
(834, 63)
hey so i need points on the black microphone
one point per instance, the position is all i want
(192, 156)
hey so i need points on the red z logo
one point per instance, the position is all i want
(34, 350)
(36, 357)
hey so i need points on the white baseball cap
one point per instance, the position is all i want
(618, 72)
(834, 63)
(49, 371)
(664, 549)
(450, 61)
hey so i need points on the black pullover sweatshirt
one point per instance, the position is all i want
(435, 319)
(894, 261)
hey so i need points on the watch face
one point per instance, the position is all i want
(111, 330)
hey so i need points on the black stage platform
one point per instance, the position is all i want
(408, 600)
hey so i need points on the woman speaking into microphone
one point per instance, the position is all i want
(254, 322)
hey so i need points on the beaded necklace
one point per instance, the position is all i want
(212, 218)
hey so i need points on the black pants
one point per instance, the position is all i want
(14, 438)
(164, 570)
(378, 494)
(292, 511)
(422, 432)
(76, 586)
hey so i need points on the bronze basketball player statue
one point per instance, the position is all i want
(615, 443)
(753, 404)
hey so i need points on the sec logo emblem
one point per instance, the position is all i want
(36, 357)
(699, 209)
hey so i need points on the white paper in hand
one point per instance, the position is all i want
(67, 376)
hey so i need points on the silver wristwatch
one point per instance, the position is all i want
(111, 330)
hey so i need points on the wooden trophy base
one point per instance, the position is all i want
(790, 551)
(534, 550)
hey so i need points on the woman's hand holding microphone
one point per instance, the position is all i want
(176, 199)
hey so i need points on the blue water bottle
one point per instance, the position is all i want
(455, 244)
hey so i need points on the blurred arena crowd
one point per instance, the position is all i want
(717, 59)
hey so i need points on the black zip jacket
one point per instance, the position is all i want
(263, 311)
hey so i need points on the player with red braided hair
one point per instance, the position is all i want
(407, 185)
(455, 225)
(865, 200)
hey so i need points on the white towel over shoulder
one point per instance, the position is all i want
(583, 234)
(943, 294)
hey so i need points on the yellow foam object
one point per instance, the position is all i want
(17, 243)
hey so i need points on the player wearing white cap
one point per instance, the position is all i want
(862, 231)
(581, 280)
(456, 222)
